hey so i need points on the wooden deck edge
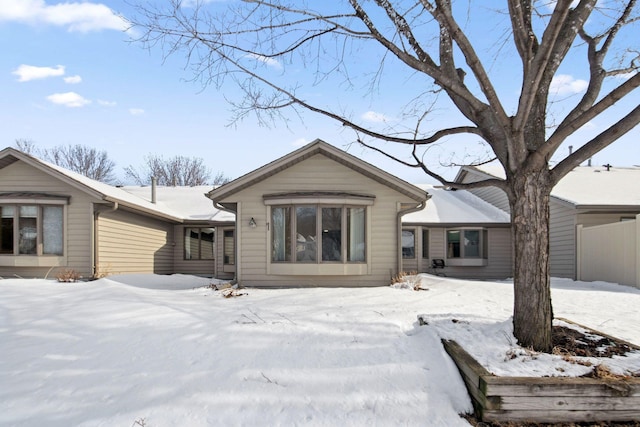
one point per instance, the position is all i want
(544, 399)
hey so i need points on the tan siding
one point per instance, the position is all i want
(19, 177)
(188, 266)
(499, 264)
(318, 173)
(130, 243)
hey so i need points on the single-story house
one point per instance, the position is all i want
(320, 216)
(315, 217)
(588, 196)
(55, 220)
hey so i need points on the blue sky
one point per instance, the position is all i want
(68, 75)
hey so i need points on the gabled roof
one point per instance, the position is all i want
(456, 207)
(99, 190)
(585, 187)
(318, 147)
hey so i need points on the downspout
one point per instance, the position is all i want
(399, 216)
(235, 239)
(96, 252)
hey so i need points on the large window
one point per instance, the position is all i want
(199, 243)
(316, 234)
(31, 230)
(467, 243)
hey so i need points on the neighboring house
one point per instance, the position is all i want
(54, 219)
(472, 236)
(586, 197)
(322, 217)
(315, 217)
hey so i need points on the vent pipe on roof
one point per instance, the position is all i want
(154, 183)
(570, 149)
(589, 163)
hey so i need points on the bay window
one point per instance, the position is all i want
(31, 229)
(312, 234)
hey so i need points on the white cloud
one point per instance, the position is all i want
(273, 63)
(564, 84)
(300, 142)
(68, 99)
(72, 80)
(107, 103)
(26, 73)
(136, 111)
(372, 116)
(78, 16)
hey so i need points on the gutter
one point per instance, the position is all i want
(96, 252)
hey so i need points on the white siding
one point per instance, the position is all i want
(20, 177)
(131, 243)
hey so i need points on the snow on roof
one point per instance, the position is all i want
(591, 185)
(595, 186)
(189, 203)
(113, 193)
(446, 206)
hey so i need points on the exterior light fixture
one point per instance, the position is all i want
(252, 223)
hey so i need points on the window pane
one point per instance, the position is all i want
(485, 244)
(425, 243)
(191, 246)
(355, 233)
(207, 238)
(453, 244)
(52, 233)
(281, 234)
(472, 243)
(306, 245)
(408, 244)
(6, 229)
(28, 230)
(332, 234)
(229, 251)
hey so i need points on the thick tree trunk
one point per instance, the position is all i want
(532, 313)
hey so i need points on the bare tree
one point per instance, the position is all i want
(87, 161)
(448, 54)
(175, 171)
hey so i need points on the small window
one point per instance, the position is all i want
(229, 248)
(199, 243)
(467, 243)
(408, 244)
(425, 243)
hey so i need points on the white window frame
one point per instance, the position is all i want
(319, 267)
(39, 258)
(469, 261)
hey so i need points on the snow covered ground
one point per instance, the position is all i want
(167, 351)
